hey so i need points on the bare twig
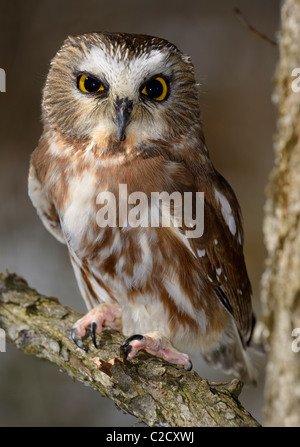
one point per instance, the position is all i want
(251, 28)
(152, 390)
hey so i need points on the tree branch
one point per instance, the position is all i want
(152, 390)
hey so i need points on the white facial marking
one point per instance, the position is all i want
(124, 76)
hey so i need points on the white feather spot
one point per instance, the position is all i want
(201, 253)
(226, 211)
(239, 238)
(79, 208)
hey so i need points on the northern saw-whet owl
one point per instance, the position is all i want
(123, 109)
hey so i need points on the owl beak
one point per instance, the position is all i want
(123, 108)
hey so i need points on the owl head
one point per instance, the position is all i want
(120, 87)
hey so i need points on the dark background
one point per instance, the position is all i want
(235, 69)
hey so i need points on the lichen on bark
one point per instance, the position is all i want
(156, 392)
(281, 280)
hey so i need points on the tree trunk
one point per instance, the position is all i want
(281, 279)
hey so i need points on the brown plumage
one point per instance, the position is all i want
(122, 109)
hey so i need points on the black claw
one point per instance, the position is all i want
(132, 337)
(189, 368)
(93, 332)
(75, 339)
(125, 346)
(126, 350)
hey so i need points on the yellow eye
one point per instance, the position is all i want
(87, 84)
(156, 89)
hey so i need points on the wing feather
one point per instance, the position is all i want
(45, 208)
(223, 263)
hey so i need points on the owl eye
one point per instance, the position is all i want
(87, 84)
(156, 89)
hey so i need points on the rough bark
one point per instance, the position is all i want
(156, 392)
(281, 280)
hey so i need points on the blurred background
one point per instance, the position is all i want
(235, 70)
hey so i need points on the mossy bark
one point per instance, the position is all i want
(157, 393)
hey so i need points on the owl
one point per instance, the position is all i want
(122, 110)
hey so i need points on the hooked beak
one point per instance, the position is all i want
(123, 108)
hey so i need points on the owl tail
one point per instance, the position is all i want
(231, 356)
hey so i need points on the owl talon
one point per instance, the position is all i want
(124, 351)
(93, 332)
(105, 314)
(188, 366)
(126, 347)
(75, 339)
(157, 345)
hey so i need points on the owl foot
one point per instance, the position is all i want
(104, 314)
(157, 345)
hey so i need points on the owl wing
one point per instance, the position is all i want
(45, 208)
(220, 251)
